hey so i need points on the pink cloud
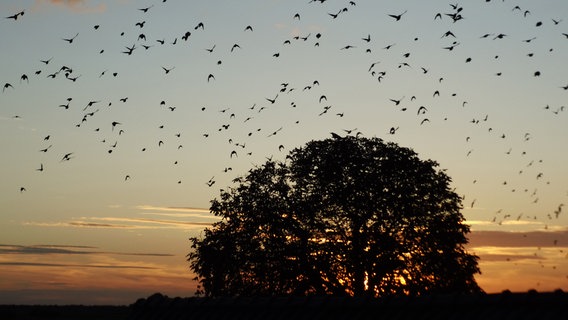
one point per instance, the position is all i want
(77, 6)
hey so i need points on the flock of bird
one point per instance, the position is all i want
(247, 121)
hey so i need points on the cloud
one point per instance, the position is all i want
(176, 209)
(42, 264)
(487, 257)
(555, 238)
(125, 223)
(69, 250)
(76, 6)
(181, 212)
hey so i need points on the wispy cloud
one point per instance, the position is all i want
(123, 223)
(76, 6)
(42, 264)
(68, 250)
(554, 238)
(175, 209)
(180, 212)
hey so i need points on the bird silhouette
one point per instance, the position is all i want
(397, 17)
(15, 16)
(46, 61)
(6, 86)
(67, 157)
(129, 50)
(70, 40)
(146, 9)
(272, 101)
(396, 102)
(168, 70)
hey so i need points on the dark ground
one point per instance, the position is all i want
(531, 305)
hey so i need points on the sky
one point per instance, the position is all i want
(113, 144)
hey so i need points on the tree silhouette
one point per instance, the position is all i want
(341, 216)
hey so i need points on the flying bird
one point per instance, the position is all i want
(6, 86)
(67, 157)
(146, 9)
(70, 40)
(397, 17)
(168, 70)
(15, 16)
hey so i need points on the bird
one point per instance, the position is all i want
(129, 50)
(40, 167)
(272, 101)
(15, 16)
(396, 102)
(70, 40)
(6, 86)
(67, 157)
(500, 36)
(146, 9)
(168, 70)
(22, 189)
(397, 17)
(199, 25)
(248, 28)
(210, 77)
(46, 61)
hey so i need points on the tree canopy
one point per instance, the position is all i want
(341, 216)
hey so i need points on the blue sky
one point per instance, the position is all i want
(497, 128)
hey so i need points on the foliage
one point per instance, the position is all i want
(341, 216)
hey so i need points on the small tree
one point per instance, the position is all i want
(341, 216)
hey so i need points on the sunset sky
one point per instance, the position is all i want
(110, 139)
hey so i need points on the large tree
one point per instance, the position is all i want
(341, 216)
